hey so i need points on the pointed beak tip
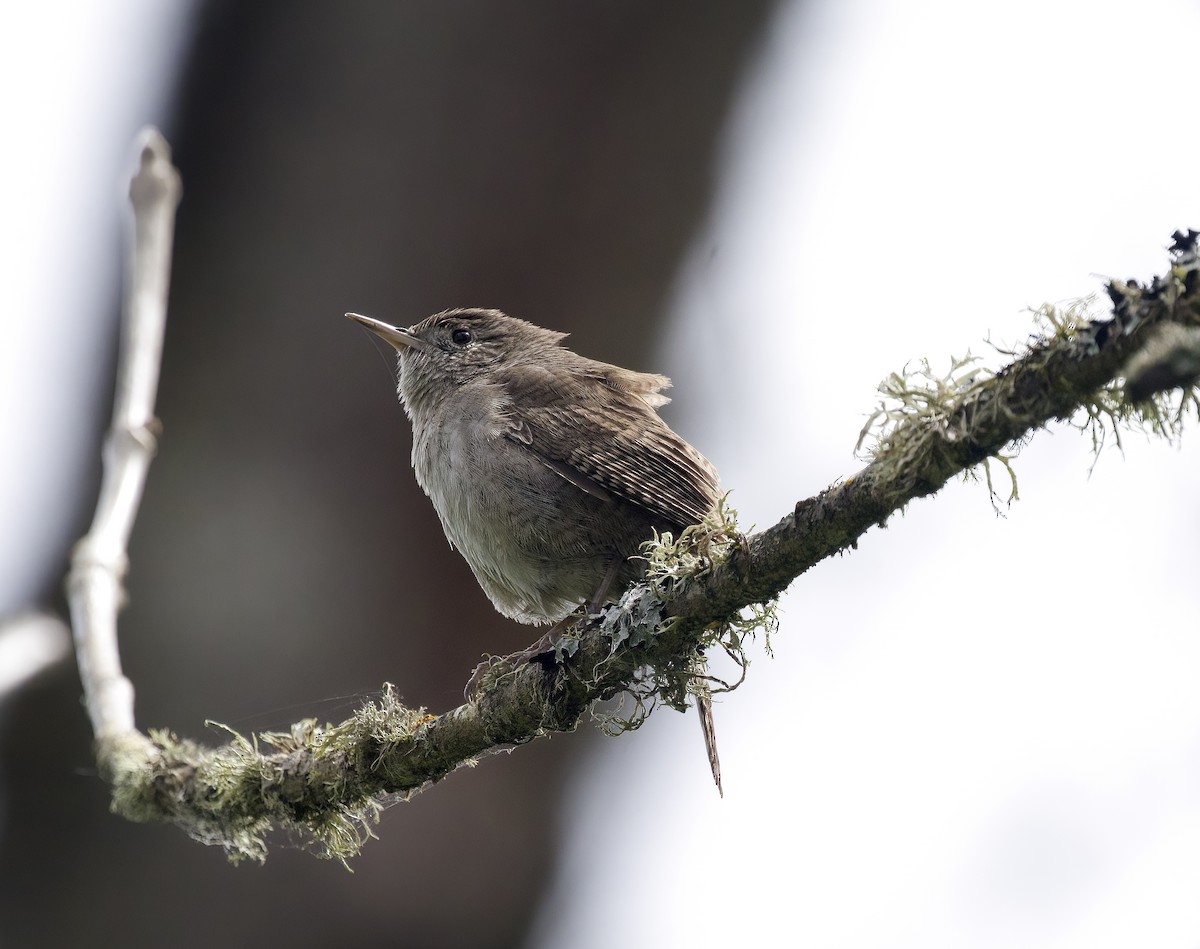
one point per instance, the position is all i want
(397, 336)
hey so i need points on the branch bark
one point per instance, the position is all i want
(327, 781)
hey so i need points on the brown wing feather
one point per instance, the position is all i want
(558, 412)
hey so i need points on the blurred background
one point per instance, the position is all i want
(975, 730)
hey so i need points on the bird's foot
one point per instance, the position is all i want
(542, 651)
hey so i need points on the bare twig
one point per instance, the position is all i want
(99, 562)
(29, 643)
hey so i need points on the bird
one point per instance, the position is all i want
(547, 469)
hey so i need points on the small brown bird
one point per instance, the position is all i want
(547, 469)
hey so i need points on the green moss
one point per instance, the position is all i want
(637, 619)
(315, 782)
(975, 419)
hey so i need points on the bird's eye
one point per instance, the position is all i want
(461, 337)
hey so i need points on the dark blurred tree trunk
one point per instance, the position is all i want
(552, 159)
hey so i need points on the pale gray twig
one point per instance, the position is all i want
(99, 562)
(30, 643)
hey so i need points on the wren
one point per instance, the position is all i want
(548, 470)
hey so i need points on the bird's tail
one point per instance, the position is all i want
(704, 706)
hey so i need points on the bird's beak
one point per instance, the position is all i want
(399, 337)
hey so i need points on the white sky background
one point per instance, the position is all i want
(976, 731)
(76, 81)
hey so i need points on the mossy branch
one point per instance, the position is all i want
(710, 587)
(328, 781)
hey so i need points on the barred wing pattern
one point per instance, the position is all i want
(640, 460)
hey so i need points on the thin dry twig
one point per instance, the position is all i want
(29, 643)
(99, 562)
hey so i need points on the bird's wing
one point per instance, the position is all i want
(598, 430)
